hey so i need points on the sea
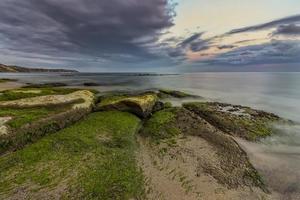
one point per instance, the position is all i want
(277, 157)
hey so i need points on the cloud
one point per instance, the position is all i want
(190, 39)
(226, 46)
(290, 29)
(269, 43)
(108, 29)
(268, 53)
(275, 23)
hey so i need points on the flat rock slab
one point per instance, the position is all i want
(240, 121)
(192, 157)
(140, 105)
(52, 100)
(31, 118)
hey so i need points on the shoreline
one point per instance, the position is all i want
(13, 85)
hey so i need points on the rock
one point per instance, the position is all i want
(31, 118)
(3, 127)
(45, 85)
(3, 80)
(236, 120)
(140, 105)
(224, 160)
(158, 106)
(164, 93)
(53, 100)
(89, 84)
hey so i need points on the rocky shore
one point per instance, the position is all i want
(63, 143)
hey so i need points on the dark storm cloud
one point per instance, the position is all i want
(290, 29)
(275, 23)
(109, 29)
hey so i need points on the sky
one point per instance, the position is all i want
(151, 35)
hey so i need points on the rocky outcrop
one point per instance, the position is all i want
(4, 80)
(140, 105)
(192, 155)
(45, 85)
(83, 98)
(240, 121)
(52, 113)
(164, 93)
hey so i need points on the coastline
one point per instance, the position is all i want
(238, 191)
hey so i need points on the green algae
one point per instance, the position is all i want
(165, 93)
(247, 123)
(4, 80)
(140, 105)
(21, 93)
(79, 160)
(161, 125)
(23, 116)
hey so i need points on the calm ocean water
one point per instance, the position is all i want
(277, 157)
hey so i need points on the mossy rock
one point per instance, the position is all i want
(4, 80)
(140, 105)
(92, 159)
(165, 93)
(173, 124)
(161, 125)
(244, 122)
(45, 85)
(21, 93)
(28, 119)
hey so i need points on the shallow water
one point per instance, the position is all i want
(277, 157)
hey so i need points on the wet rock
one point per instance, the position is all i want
(82, 98)
(31, 118)
(45, 85)
(3, 80)
(164, 93)
(90, 84)
(241, 121)
(158, 106)
(140, 105)
(225, 160)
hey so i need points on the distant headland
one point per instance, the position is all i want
(18, 69)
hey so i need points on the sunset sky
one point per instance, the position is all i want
(152, 35)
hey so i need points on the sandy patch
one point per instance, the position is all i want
(181, 172)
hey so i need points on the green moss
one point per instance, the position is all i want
(111, 100)
(164, 93)
(167, 105)
(79, 158)
(23, 116)
(9, 95)
(3, 80)
(252, 125)
(140, 105)
(161, 125)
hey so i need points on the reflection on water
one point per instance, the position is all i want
(277, 157)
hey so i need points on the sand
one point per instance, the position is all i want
(180, 173)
